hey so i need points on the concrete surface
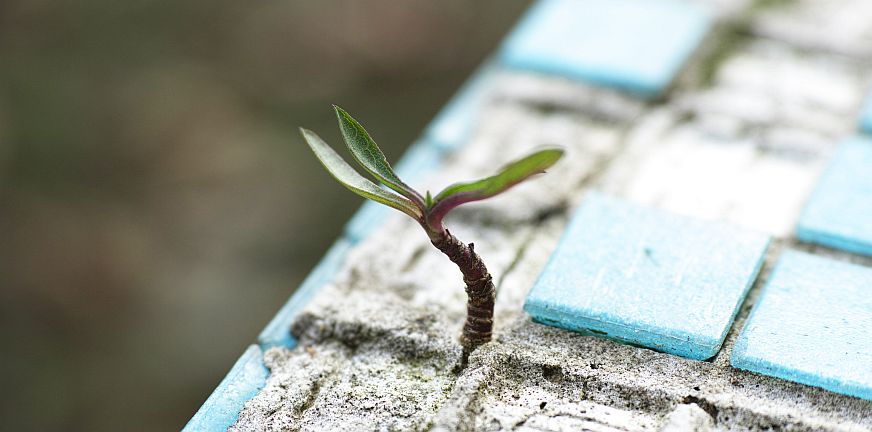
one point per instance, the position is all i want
(741, 138)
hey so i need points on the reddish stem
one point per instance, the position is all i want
(479, 289)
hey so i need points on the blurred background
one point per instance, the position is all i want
(157, 205)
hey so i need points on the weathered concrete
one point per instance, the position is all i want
(367, 365)
(377, 348)
(688, 418)
(385, 367)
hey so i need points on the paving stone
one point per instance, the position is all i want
(839, 212)
(221, 409)
(813, 325)
(647, 277)
(633, 45)
(277, 332)
(866, 118)
(419, 160)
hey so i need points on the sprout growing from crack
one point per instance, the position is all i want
(429, 211)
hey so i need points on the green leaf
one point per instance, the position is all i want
(370, 157)
(508, 176)
(351, 179)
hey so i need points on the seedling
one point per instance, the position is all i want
(429, 211)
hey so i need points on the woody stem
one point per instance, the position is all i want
(479, 289)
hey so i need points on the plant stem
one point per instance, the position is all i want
(479, 289)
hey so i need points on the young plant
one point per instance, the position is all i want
(429, 211)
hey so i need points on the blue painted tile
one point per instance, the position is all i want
(221, 409)
(634, 45)
(453, 125)
(420, 159)
(813, 325)
(277, 332)
(647, 277)
(839, 212)
(866, 116)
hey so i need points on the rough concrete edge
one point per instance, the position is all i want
(630, 393)
(221, 409)
(277, 333)
(424, 156)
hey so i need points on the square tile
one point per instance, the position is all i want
(647, 277)
(246, 378)
(839, 212)
(813, 325)
(633, 45)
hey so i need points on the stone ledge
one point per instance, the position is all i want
(773, 109)
(532, 377)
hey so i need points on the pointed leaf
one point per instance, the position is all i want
(352, 180)
(368, 155)
(509, 175)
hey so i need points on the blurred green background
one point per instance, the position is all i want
(157, 205)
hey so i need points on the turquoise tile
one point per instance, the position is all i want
(647, 277)
(278, 331)
(866, 116)
(221, 409)
(839, 212)
(633, 45)
(419, 160)
(453, 126)
(813, 325)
